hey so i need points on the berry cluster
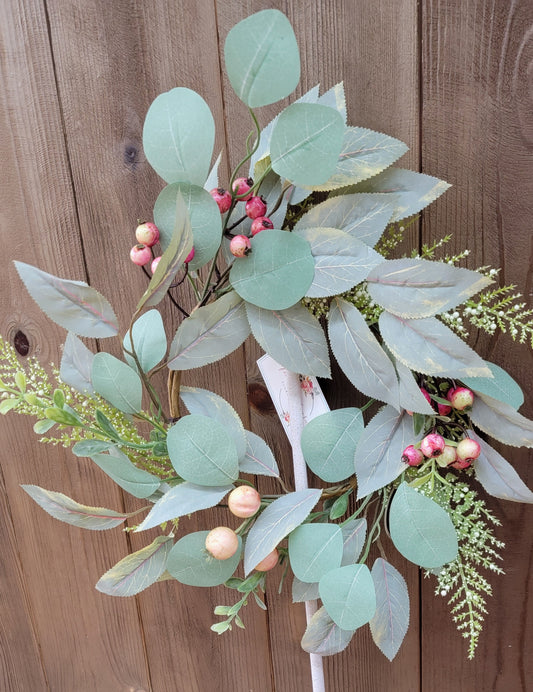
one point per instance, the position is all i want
(147, 235)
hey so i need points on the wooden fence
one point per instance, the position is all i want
(452, 79)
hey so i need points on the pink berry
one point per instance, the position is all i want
(448, 456)
(240, 245)
(147, 233)
(412, 456)
(468, 450)
(140, 254)
(444, 409)
(261, 223)
(255, 206)
(461, 465)
(189, 257)
(154, 264)
(222, 542)
(241, 186)
(244, 501)
(268, 562)
(432, 445)
(222, 197)
(427, 396)
(461, 398)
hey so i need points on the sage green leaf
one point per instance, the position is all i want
(323, 637)
(363, 216)
(178, 136)
(86, 448)
(58, 415)
(293, 337)
(40, 427)
(205, 403)
(421, 288)
(132, 479)
(430, 347)
(348, 595)
(117, 383)
(149, 339)
(277, 273)
(259, 459)
(353, 534)
(209, 334)
(277, 520)
(420, 529)
(378, 457)
(364, 153)
(391, 619)
(314, 549)
(413, 191)
(176, 250)
(76, 364)
(262, 58)
(65, 509)
(359, 354)
(411, 398)
(306, 142)
(334, 98)
(500, 386)
(329, 442)
(204, 215)
(137, 571)
(190, 563)
(303, 591)
(71, 304)
(497, 475)
(181, 500)
(341, 261)
(202, 451)
(501, 421)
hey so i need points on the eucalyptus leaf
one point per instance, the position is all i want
(178, 136)
(71, 304)
(276, 521)
(391, 620)
(348, 595)
(430, 347)
(420, 529)
(259, 459)
(76, 364)
(323, 637)
(190, 563)
(293, 337)
(277, 273)
(329, 442)
(137, 571)
(500, 386)
(303, 591)
(117, 383)
(132, 479)
(359, 353)
(501, 421)
(212, 332)
(65, 509)
(314, 549)
(86, 448)
(262, 58)
(149, 339)
(353, 534)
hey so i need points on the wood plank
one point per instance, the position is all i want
(477, 135)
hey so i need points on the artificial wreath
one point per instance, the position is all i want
(299, 247)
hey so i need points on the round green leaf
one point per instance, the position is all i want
(329, 442)
(149, 339)
(204, 217)
(117, 382)
(190, 563)
(262, 58)
(202, 452)
(314, 549)
(277, 272)
(349, 596)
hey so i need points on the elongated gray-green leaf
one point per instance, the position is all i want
(149, 339)
(323, 637)
(306, 142)
(421, 288)
(65, 509)
(391, 620)
(501, 421)
(190, 563)
(259, 458)
(293, 337)
(364, 153)
(71, 304)
(420, 529)
(212, 178)
(206, 403)
(178, 136)
(359, 353)
(133, 480)
(430, 347)
(314, 549)
(76, 364)
(341, 261)
(181, 500)
(210, 333)
(137, 571)
(378, 457)
(411, 398)
(500, 386)
(117, 382)
(262, 58)
(304, 591)
(363, 216)
(335, 98)
(86, 448)
(353, 534)
(278, 519)
(349, 596)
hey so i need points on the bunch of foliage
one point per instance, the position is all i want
(335, 206)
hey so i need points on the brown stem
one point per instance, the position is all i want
(339, 490)
(173, 388)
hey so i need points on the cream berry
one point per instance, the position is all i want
(147, 233)
(240, 245)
